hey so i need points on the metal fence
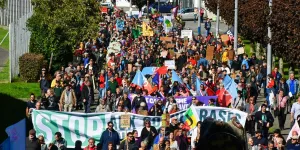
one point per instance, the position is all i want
(19, 38)
(13, 10)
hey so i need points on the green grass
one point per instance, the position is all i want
(247, 47)
(19, 89)
(5, 44)
(4, 73)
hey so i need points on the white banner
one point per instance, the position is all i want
(170, 64)
(81, 126)
(188, 33)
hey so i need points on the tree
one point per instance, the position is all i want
(254, 19)
(56, 26)
(3, 3)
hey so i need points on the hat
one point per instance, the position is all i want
(174, 118)
(295, 137)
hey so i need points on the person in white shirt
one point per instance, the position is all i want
(169, 104)
(196, 135)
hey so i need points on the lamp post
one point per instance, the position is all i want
(269, 47)
(199, 17)
(235, 24)
(218, 19)
(147, 8)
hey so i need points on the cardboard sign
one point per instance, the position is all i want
(188, 33)
(125, 121)
(170, 64)
(169, 45)
(210, 52)
(143, 112)
(230, 54)
(165, 120)
(169, 39)
(225, 39)
(240, 50)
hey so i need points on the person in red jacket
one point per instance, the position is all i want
(118, 79)
(101, 80)
(91, 145)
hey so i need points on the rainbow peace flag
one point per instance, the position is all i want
(190, 118)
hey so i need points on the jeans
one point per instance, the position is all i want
(229, 62)
(281, 118)
(207, 31)
(87, 107)
(195, 18)
(101, 93)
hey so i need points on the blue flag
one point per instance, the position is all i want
(138, 79)
(198, 83)
(175, 77)
(106, 82)
(230, 86)
(5, 145)
(155, 79)
(17, 135)
(149, 70)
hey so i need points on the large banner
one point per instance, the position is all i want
(182, 102)
(81, 126)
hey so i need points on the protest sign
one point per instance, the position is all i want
(170, 64)
(169, 39)
(210, 52)
(182, 102)
(82, 126)
(169, 45)
(240, 50)
(147, 30)
(125, 121)
(168, 24)
(225, 38)
(188, 33)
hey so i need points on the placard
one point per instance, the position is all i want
(169, 39)
(225, 39)
(188, 33)
(210, 52)
(240, 50)
(170, 64)
(169, 45)
(125, 121)
(165, 120)
(230, 54)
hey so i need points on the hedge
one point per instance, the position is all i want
(30, 66)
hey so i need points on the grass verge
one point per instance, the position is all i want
(4, 73)
(5, 44)
(19, 89)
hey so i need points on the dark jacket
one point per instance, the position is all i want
(269, 118)
(136, 103)
(147, 135)
(182, 142)
(106, 137)
(131, 145)
(53, 103)
(32, 144)
(86, 95)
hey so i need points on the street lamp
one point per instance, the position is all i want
(269, 47)
(199, 17)
(147, 8)
(235, 25)
(218, 20)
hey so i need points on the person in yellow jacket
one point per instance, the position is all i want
(225, 56)
(57, 78)
(67, 99)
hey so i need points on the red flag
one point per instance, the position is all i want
(162, 70)
(224, 98)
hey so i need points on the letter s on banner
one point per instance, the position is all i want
(39, 125)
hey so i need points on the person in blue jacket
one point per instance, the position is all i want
(109, 136)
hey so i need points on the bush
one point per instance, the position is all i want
(30, 65)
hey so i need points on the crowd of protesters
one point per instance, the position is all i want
(110, 75)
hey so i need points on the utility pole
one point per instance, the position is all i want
(199, 17)
(130, 8)
(235, 25)
(218, 19)
(158, 6)
(147, 8)
(269, 47)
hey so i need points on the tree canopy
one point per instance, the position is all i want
(254, 18)
(58, 25)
